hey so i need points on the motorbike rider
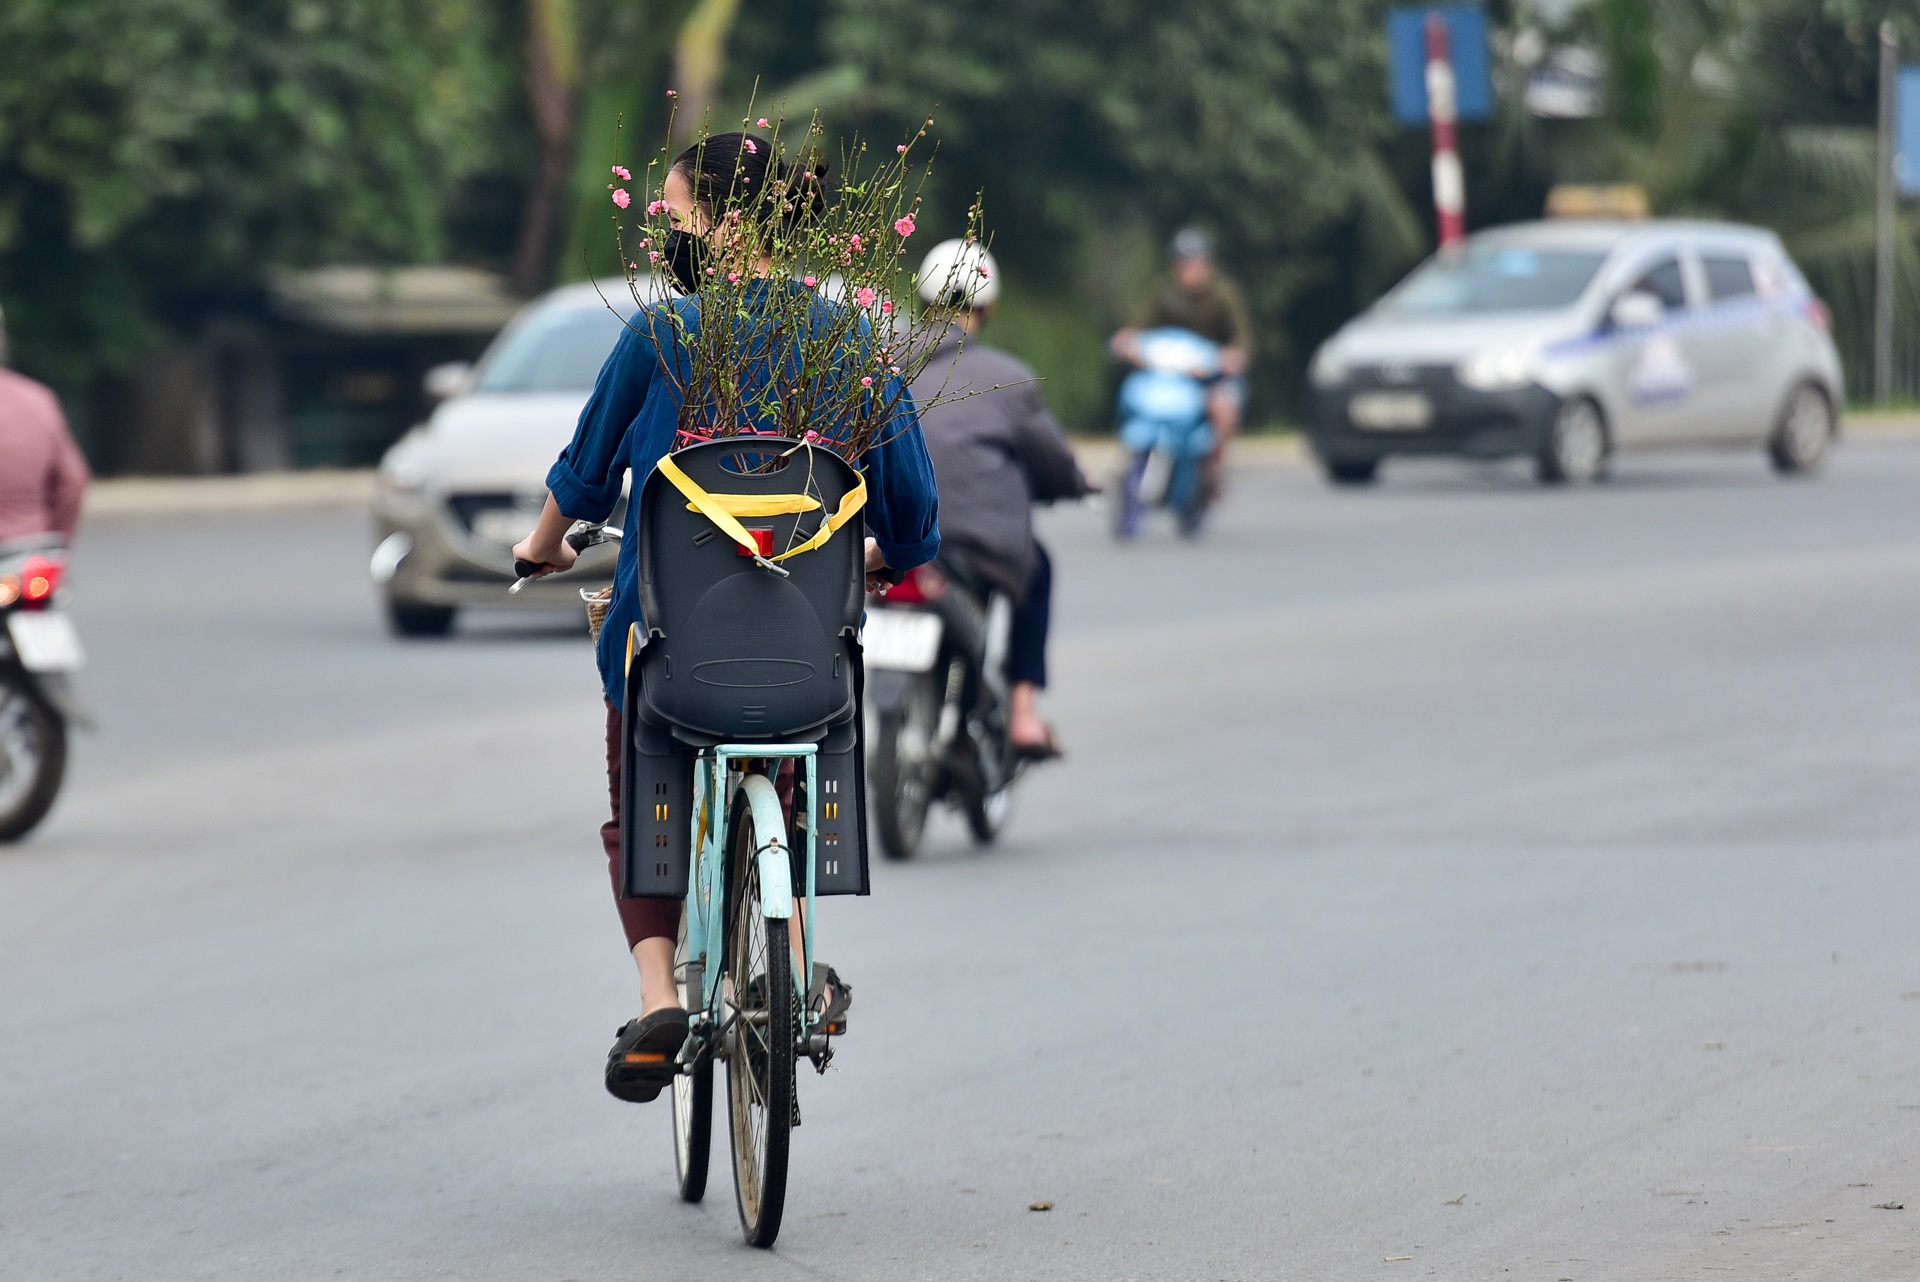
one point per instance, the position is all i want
(996, 451)
(1195, 297)
(627, 426)
(42, 472)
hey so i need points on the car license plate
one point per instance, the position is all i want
(1390, 411)
(45, 642)
(504, 525)
(903, 640)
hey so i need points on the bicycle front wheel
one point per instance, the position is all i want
(760, 1041)
(692, 1097)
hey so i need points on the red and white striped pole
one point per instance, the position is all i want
(1449, 181)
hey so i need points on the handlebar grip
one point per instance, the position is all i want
(581, 540)
(525, 569)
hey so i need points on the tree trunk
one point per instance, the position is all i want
(699, 58)
(553, 75)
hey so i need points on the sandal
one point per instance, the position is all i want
(830, 1017)
(645, 1055)
(1048, 749)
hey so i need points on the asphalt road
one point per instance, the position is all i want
(1454, 879)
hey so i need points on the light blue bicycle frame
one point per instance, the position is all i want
(707, 888)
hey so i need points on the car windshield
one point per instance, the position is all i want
(560, 349)
(1495, 278)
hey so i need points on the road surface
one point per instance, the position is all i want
(1453, 879)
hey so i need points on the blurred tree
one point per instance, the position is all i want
(1262, 120)
(156, 156)
(1761, 111)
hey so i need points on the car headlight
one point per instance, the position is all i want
(1498, 369)
(1327, 370)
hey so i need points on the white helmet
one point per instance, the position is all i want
(959, 273)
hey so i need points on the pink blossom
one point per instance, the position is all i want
(710, 271)
(867, 381)
(751, 149)
(854, 240)
(654, 257)
(762, 122)
(902, 149)
(886, 309)
(812, 437)
(673, 93)
(894, 370)
(623, 173)
(810, 282)
(633, 267)
(733, 278)
(904, 225)
(864, 296)
(621, 198)
(985, 274)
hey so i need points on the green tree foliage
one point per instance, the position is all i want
(1094, 122)
(157, 156)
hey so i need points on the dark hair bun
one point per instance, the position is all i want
(739, 171)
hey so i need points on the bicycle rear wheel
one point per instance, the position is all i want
(692, 1098)
(760, 1059)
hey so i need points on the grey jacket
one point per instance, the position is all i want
(995, 454)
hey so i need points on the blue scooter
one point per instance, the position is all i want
(1164, 430)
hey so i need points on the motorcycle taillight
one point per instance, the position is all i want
(39, 579)
(921, 585)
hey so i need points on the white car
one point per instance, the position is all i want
(457, 492)
(1567, 341)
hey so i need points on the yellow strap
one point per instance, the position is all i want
(711, 507)
(761, 504)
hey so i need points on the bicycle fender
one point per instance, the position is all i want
(776, 866)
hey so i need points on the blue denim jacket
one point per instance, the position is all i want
(629, 424)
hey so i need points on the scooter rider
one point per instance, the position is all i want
(995, 452)
(1196, 298)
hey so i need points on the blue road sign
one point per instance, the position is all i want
(1906, 132)
(1407, 61)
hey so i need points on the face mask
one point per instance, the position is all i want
(686, 258)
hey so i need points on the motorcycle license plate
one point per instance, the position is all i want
(45, 642)
(903, 640)
(1390, 411)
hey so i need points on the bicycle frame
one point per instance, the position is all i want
(707, 889)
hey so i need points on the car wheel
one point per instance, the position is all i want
(1351, 471)
(1575, 451)
(1804, 432)
(408, 619)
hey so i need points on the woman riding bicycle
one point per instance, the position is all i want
(721, 193)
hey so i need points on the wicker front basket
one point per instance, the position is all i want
(597, 603)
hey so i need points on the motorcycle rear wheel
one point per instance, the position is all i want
(33, 756)
(901, 770)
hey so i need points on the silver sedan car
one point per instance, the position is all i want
(457, 492)
(1568, 341)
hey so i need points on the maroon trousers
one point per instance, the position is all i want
(641, 918)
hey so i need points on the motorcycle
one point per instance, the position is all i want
(39, 652)
(935, 653)
(1164, 430)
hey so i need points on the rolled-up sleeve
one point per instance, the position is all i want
(586, 479)
(903, 504)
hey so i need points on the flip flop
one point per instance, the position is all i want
(645, 1055)
(1047, 750)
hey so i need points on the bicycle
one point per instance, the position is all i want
(769, 672)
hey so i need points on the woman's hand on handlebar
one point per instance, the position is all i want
(546, 549)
